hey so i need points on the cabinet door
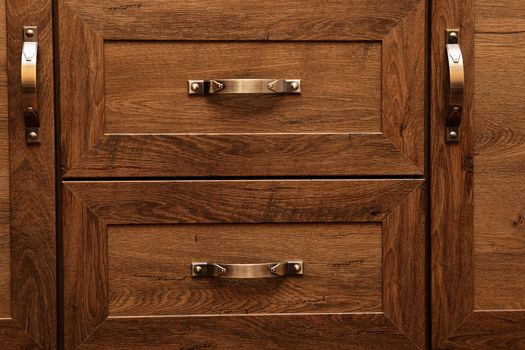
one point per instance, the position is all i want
(27, 183)
(478, 192)
(129, 249)
(126, 109)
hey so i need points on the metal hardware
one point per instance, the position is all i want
(241, 271)
(244, 86)
(456, 86)
(29, 84)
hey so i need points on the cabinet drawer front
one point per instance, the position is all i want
(129, 248)
(360, 110)
(149, 269)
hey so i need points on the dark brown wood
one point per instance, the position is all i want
(499, 163)
(451, 178)
(125, 115)
(5, 275)
(31, 322)
(477, 192)
(149, 276)
(98, 262)
(316, 332)
(239, 20)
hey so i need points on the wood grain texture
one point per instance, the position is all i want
(499, 200)
(493, 330)
(241, 20)
(12, 337)
(404, 84)
(242, 155)
(283, 332)
(32, 182)
(5, 269)
(142, 96)
(91, 207)
(149, 269)
(503, 16)
(477, 193)
(90, 149)
(451, 179)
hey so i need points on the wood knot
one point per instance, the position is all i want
(517, 222)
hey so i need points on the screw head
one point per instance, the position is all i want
(195, 87)
(197, 269)
(452, 134)
(294, 85)
(270, 86)
(30, 33)
(297, 267)
(33, 135)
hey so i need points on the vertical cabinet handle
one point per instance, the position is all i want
(456, 85)
(29, 84)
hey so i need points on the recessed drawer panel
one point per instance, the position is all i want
(149, 269)
(129, 107)
(130, 251)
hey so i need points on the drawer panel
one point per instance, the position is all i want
(149, 269)
(143, 96)
(361, 110)
(128, 249)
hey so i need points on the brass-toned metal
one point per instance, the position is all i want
(244, 86)
(29, 84)
(456, 86)
(244, 271)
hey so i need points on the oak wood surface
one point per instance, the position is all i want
(96, 145)
(451, 178)
(5, 271)
(32, 185)
(283, 332)
(503, 16)
(478, 201)
(91, 209)
(149, 269)
(13, 337)
(241, 20)
(499, 162)
(490, 330)
(143, 96)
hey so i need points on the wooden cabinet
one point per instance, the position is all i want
(128, 249)
(399, 234)
(361, 110)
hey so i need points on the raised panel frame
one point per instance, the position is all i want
(456, 323)
(88, 151)
(29, 205)
(89, 207)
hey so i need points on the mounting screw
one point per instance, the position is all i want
(270, 86)
(453, 134)
(294, 85)
(195, 87)
(30, 33)
(297, 267)
(197, 269)
(33, 135)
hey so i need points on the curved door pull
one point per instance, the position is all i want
(244, 86)
(279, 269)
(29, 84)
(456, 86)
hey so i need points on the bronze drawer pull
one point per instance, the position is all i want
(279, 269)
(244, 86)
(457, 82)
(29, 84)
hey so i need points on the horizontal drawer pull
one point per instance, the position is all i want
(244, 86)
(279, 269)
